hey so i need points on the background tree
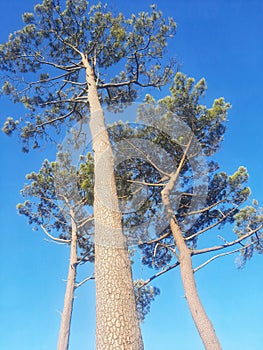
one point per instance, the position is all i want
(196, 196)
(59, 200)
(62, 65)
(55, 202)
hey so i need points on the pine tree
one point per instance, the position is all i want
(171, 150)
(55, 203)
(62, 66)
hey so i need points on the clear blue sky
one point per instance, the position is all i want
(222, 41)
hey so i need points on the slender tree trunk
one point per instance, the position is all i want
(117, 324)
(201, 320)
(64, 333)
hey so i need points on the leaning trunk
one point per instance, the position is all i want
(63, 341)
(117, 325)
(201, 320)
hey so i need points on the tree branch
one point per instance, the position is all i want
(83, 223)
(64, 42)
(147, 157)
(173, 178)
(211, 226)
(158, 239)
(229, 244)
(65, 116)
(71, 68)
(159, 274)
(146, 183)
(221, 255)
(77, 285)
(204, 209)
(60, 240)
(48, 80)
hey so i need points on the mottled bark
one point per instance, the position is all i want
(201, 320)
(117, 325)
(64, 333)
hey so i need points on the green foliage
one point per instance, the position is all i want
(144, 295)
(86, 175)
(248, 219)
(42, 190)
(220, 200)
(53, 195)
(28, 18)
(7, 88)
(207, 124)
(9, 126)
(45, 59)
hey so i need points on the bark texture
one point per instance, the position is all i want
(201, 320)
(117, 324)
(64, 333)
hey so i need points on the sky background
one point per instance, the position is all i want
(222, 41)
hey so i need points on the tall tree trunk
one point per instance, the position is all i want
(201, 320)
(117, 324)
(64, 333)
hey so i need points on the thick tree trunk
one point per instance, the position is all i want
(117, 324)
(201, 320)
(64, 333)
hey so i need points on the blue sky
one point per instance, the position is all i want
(219, 40)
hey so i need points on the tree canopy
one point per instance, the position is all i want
(54, 197)
(44, 62)
(193, 196)
(203, 197)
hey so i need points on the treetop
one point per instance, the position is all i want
(43, 62)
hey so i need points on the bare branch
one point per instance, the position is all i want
(65, 116)
(53, 242)
(159, 274)
(70, 100)
(229, 244)
(204, 209)
(75, 83)
(221, 255)
(71, 68)
(158, 239)
(211, 226)
(125, 83)
(48, 80)
(60, 240)
(77, 285)
(146, 183)
(109, 85)
(84, 222)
